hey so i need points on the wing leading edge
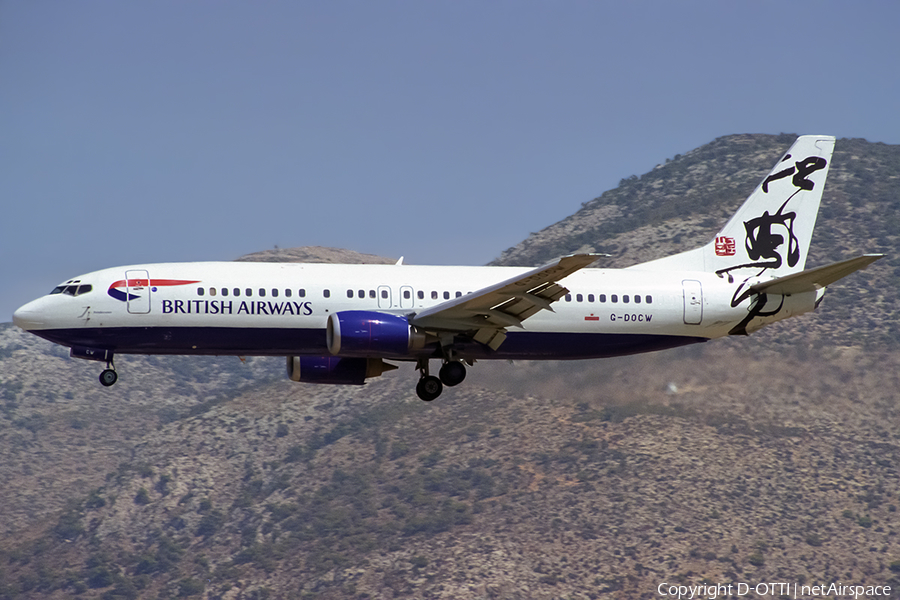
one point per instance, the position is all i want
(489, 311)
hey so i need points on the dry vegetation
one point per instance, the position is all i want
(770, 458)
(584, 479)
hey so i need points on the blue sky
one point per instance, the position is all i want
(443, 131)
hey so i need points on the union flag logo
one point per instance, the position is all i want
(725, 246)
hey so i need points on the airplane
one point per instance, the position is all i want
(341, 324)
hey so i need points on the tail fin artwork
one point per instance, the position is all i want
(763, 248)
(771, 231)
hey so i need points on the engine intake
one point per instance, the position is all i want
(366, 333)
(333, 369)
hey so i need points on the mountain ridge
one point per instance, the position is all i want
(769, 458)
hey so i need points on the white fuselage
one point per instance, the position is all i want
(281, 308)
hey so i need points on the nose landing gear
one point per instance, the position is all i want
(109, 376)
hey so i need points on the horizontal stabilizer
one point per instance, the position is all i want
(814, 279)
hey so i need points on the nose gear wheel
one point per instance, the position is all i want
(109, 376)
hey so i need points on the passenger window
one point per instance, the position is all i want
(602, 297)
(262, 292)
(590, 297)
(349, 293)
(302, 293)
(371, 293)
(421, 295)
(434, 295)
(224, 291)
(458, 294)
(327, 293)
(614, 298)
(361, 294)
(287, 293)
(625, 298)
(200, 291)
(248, 292)
(212, 291)
(406, 295)
(649, 299)
(637, 299)
(579, 298)
(568, 297)
(237, 291)
(384, 294)
(446, 295)
(274, 292)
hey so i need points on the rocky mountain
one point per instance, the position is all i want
(316, 254)
(770, 458)
(683, 202)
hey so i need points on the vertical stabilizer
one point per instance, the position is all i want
(772, 229)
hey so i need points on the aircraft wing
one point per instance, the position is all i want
(815, 279)
(490, 310)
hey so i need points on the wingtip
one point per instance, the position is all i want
(872, 258)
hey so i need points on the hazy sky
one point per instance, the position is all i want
(443, 131)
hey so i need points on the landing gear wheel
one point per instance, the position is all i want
(429, 388)
(452, 373)
(108, 377)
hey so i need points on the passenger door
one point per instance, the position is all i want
(137, 290)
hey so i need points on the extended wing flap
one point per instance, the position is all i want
(507, 303)
(815, 279)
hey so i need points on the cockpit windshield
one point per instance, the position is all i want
(72, 289)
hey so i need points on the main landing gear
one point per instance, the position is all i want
(452, 373)
(429, 388)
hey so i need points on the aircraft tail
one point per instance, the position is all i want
(772, 229)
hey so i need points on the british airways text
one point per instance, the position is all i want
(230, 307)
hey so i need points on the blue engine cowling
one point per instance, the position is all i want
(333, 369)
(367, 333)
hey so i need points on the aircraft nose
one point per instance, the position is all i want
(28, 317)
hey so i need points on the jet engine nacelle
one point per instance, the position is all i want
(333, 369)
(367, 333)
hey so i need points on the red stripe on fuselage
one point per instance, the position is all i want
(151, 282)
